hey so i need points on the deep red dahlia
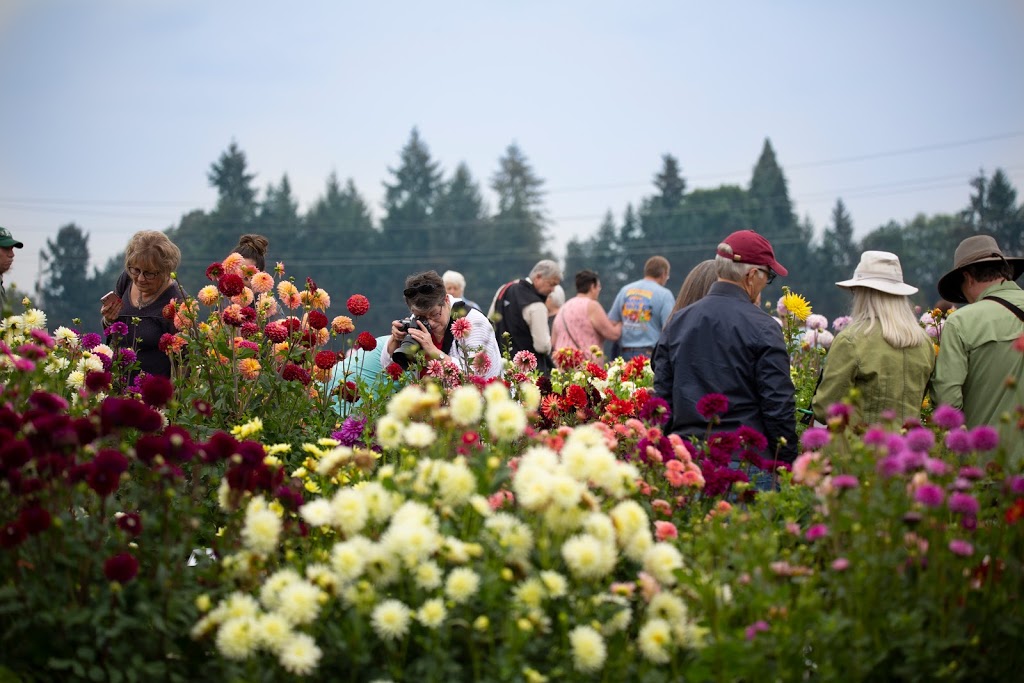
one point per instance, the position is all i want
(325, 360)
(317, 320)
(712, 406)
(358, 304)
(576, 395)
(249, 329)
(169, 309)
(165, 341)
(248, 314)
(130, 523)
(276, 332)
(121, 568)
(293, 372)
(230, 284)
(232, 315)
(156, 390)
(366, 341)
(11, 535)
(394, 371)
(98, 381)
(348, 392)
(35, 518)
(214, 271)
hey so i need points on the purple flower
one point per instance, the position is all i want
(973, 473)
(655, 411)
(876, 436)
(912, 460)
(1015, 484)
(936, 467)
(91, 340)
(920, 439)
(929, 495)
(960, 547)
(895, 443)
(351, 430)
(845, 481)
(840, 564)
(948, 417)
(839, 410)
(839, 323)
(958, 441)
(126, 356)
(711, 406)
(984, 438)
(815, 438)
(43, 337)
(755, 628)
(118, 328)
(963, 503)
(890, 466)
(815, 532)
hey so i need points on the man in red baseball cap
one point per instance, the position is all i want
(724, 344)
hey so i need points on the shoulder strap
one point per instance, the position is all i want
(565, 326)
(1016, 311)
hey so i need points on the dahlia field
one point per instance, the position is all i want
(279, 509)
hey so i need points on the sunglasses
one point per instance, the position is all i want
(410, 292)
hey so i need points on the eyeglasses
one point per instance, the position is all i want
(435, 316)
(410, 292)
(142, 274)
(768, 274)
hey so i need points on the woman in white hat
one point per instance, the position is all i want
(883, 352)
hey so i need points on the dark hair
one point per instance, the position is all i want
(697, 283)
(254, 248)
(424, 291)
(988, 271)
(586, 280)
(656, 266)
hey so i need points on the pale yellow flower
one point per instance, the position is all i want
(299, 654)
(432, 613)
(655, 639)
(661, 561)
(462, 584)
(588, 649)
(236, 638)
(390, 620)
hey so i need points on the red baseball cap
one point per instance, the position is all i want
(749, 247)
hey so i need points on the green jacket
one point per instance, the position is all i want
(976, 356)
(887, 378)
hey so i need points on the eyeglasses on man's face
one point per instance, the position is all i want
(142, 274)
(769, 274)
(410, 292)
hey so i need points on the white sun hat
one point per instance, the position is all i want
(880, 270)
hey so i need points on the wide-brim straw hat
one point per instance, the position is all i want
(975, 249)
(880, 270)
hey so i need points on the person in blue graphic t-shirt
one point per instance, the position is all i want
(643, 307)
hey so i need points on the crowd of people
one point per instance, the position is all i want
(712, 338)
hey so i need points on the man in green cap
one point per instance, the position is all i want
(7, 246)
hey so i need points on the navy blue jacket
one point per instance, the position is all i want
(723, 344)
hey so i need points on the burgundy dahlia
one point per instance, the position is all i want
(366, 341)
(230, 284)
(121, 568)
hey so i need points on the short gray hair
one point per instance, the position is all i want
(557, 296)
(730, 270)
(546, 269)
(453, 277)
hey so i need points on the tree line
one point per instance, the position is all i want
(434, 221)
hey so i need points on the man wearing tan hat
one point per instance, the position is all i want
(976, 354)
(7, 246)
(724, 344)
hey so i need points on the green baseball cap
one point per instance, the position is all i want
(7, 241)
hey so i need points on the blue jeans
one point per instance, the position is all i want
(763, 480)
(634, 351)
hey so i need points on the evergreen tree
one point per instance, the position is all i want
(410, 199)
(67, 291)
(601, 253)
(993, 211)
(662, 219)
(236, 200)
(631, 256)
(835, 260)
(519, 224)
(279, 222)
(462, 239)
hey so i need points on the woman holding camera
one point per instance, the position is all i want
(431, 333)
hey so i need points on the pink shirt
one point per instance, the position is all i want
(575, 316)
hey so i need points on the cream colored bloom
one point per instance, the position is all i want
(655, 639)
(261, 530)
(34, 319)
(300, 602)
(380, 503)
(419, 435)
(272, 630)
(462, 584)
(661, 561)
(671, 608)
(318, 512)
(432, 613)
(496, 392)
(349, 511)
(466, 405)
(348, 558)
(587, 557)
(530, 593)
(506, 420)
(66, 337)
(300, 654)
(513, 536)
(456, 483)
(390, 620)
(530, 396)
(76, 379)
(555, 583)
(600, 526)
(271, 590)
(629, 518)
(389, 431)
(427, 575)
(236, 637)
(588, 649)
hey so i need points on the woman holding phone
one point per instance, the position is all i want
(141, 293)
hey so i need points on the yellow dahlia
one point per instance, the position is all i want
(796, 306)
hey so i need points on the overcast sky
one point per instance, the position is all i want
(112, 112)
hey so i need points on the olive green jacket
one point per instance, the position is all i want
(977, 355)
(887, 378)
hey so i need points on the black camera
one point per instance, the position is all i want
(409, 347)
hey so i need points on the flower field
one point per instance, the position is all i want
(272, 512)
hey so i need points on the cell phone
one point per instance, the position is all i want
(108, 297)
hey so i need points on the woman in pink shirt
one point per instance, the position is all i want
(582, 323)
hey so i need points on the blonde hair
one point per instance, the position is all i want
(696, 284)
(150, 248)
(893, 314)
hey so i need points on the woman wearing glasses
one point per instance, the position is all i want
(434, 335)
(141, 293)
